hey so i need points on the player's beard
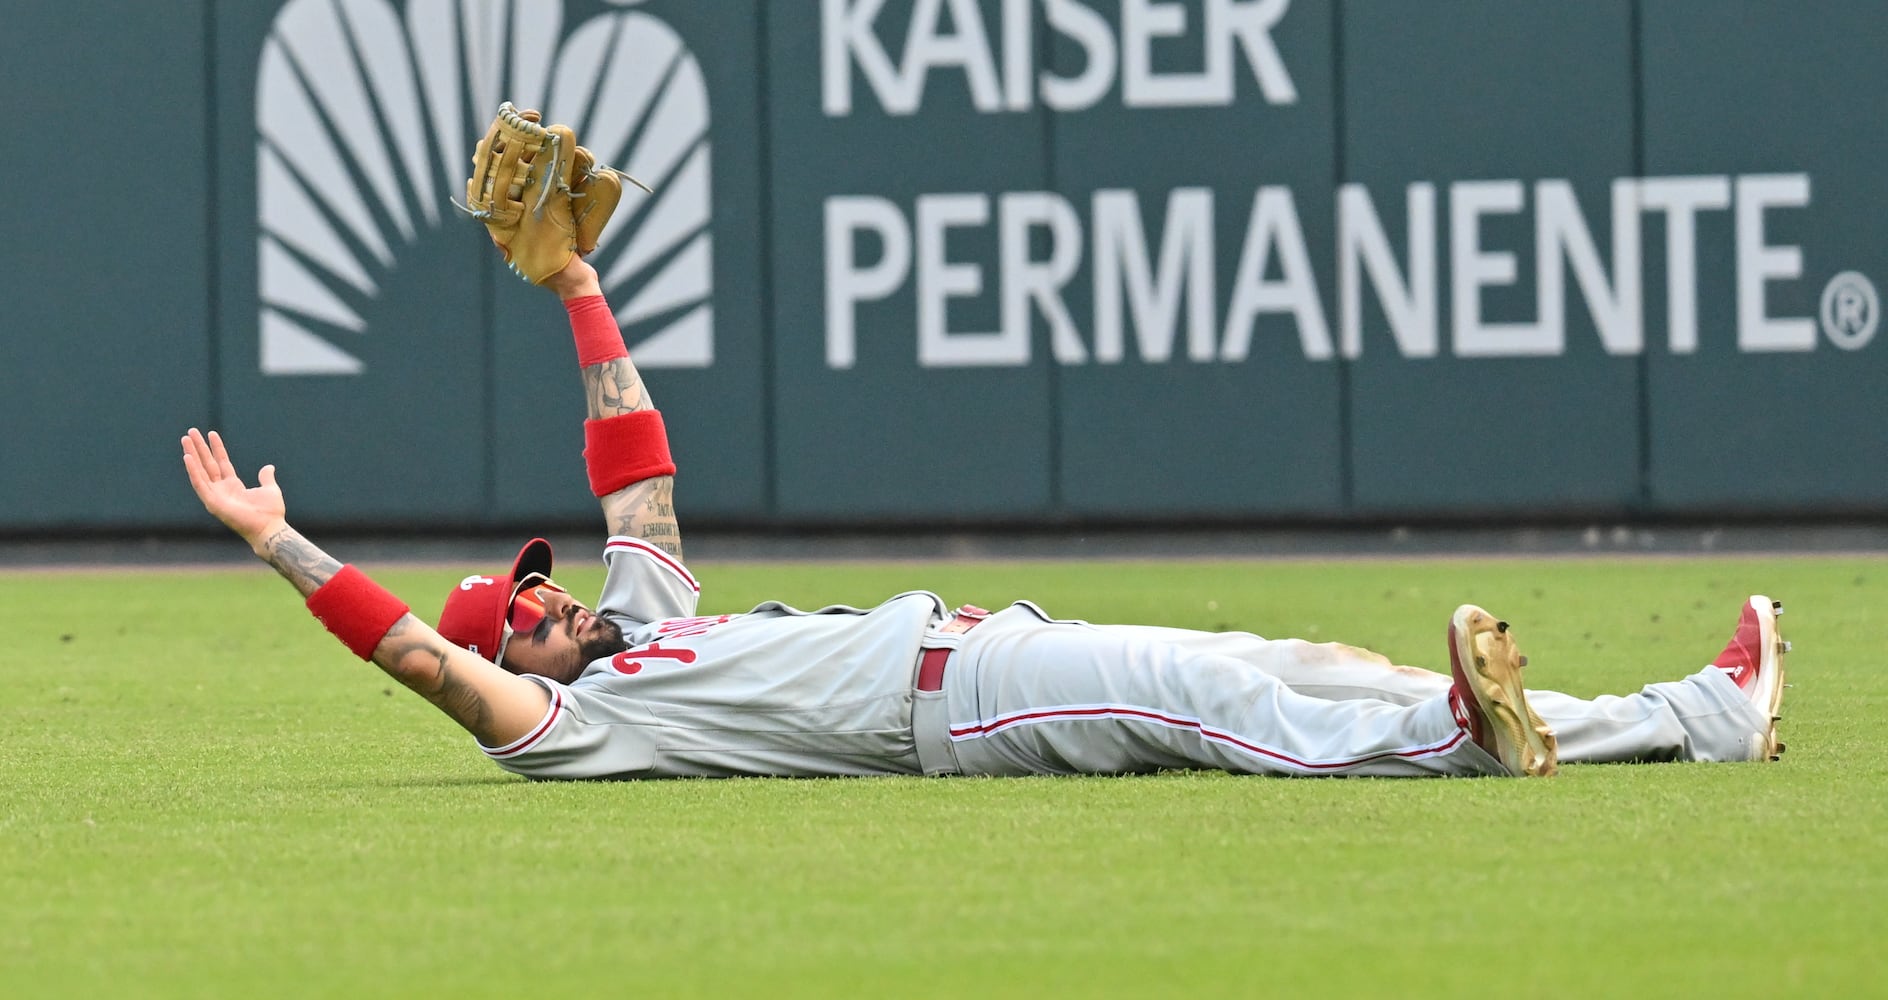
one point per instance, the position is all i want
(604, 640)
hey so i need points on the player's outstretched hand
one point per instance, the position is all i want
(250, 511)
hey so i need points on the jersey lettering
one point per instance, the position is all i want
(678, 628)
(630, 661)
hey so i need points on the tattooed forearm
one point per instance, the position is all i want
(614, 387)
(666, 537)
(620, 509)
(406, 635)
(419, 659)
(646, 510)
(642, 510)
(297, 559)
(459, 700)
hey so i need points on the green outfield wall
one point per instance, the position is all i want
(975, 261)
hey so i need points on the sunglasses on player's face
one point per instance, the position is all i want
(526, 611)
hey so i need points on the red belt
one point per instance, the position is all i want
(931, 664)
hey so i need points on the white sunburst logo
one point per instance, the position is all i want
(337, 204)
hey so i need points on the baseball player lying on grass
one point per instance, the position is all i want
(642, 686)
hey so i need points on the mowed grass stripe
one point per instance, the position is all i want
(204, 795)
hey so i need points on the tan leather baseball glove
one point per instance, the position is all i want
(542, 197)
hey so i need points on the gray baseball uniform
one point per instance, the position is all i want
(1701, 717)
(834, 692)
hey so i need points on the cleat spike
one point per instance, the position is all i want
(1782, 746)
(1775, 757)
(1776, 606)
(1501, 626)
(1524, 661)
(1784, 646)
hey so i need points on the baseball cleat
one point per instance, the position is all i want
(1753, 659)
(1488, 697)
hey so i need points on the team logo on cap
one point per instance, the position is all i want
(365, 120)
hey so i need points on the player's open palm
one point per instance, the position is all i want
(249, 511)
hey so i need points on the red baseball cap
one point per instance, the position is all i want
(474, 615)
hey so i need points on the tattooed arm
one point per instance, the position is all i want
(644, 510)
(493, 705)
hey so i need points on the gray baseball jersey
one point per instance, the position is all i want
(778, 691)
(773, 691)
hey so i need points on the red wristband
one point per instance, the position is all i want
(599, 339)
(624, 449)
(356, 609)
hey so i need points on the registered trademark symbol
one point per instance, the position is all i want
(1850, 310)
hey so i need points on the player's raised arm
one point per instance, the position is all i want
(545, 200)
(495, 706)
(625, 444)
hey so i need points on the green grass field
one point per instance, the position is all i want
(203, 794)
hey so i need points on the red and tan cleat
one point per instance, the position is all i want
(1753, 659)
(1488, 698)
